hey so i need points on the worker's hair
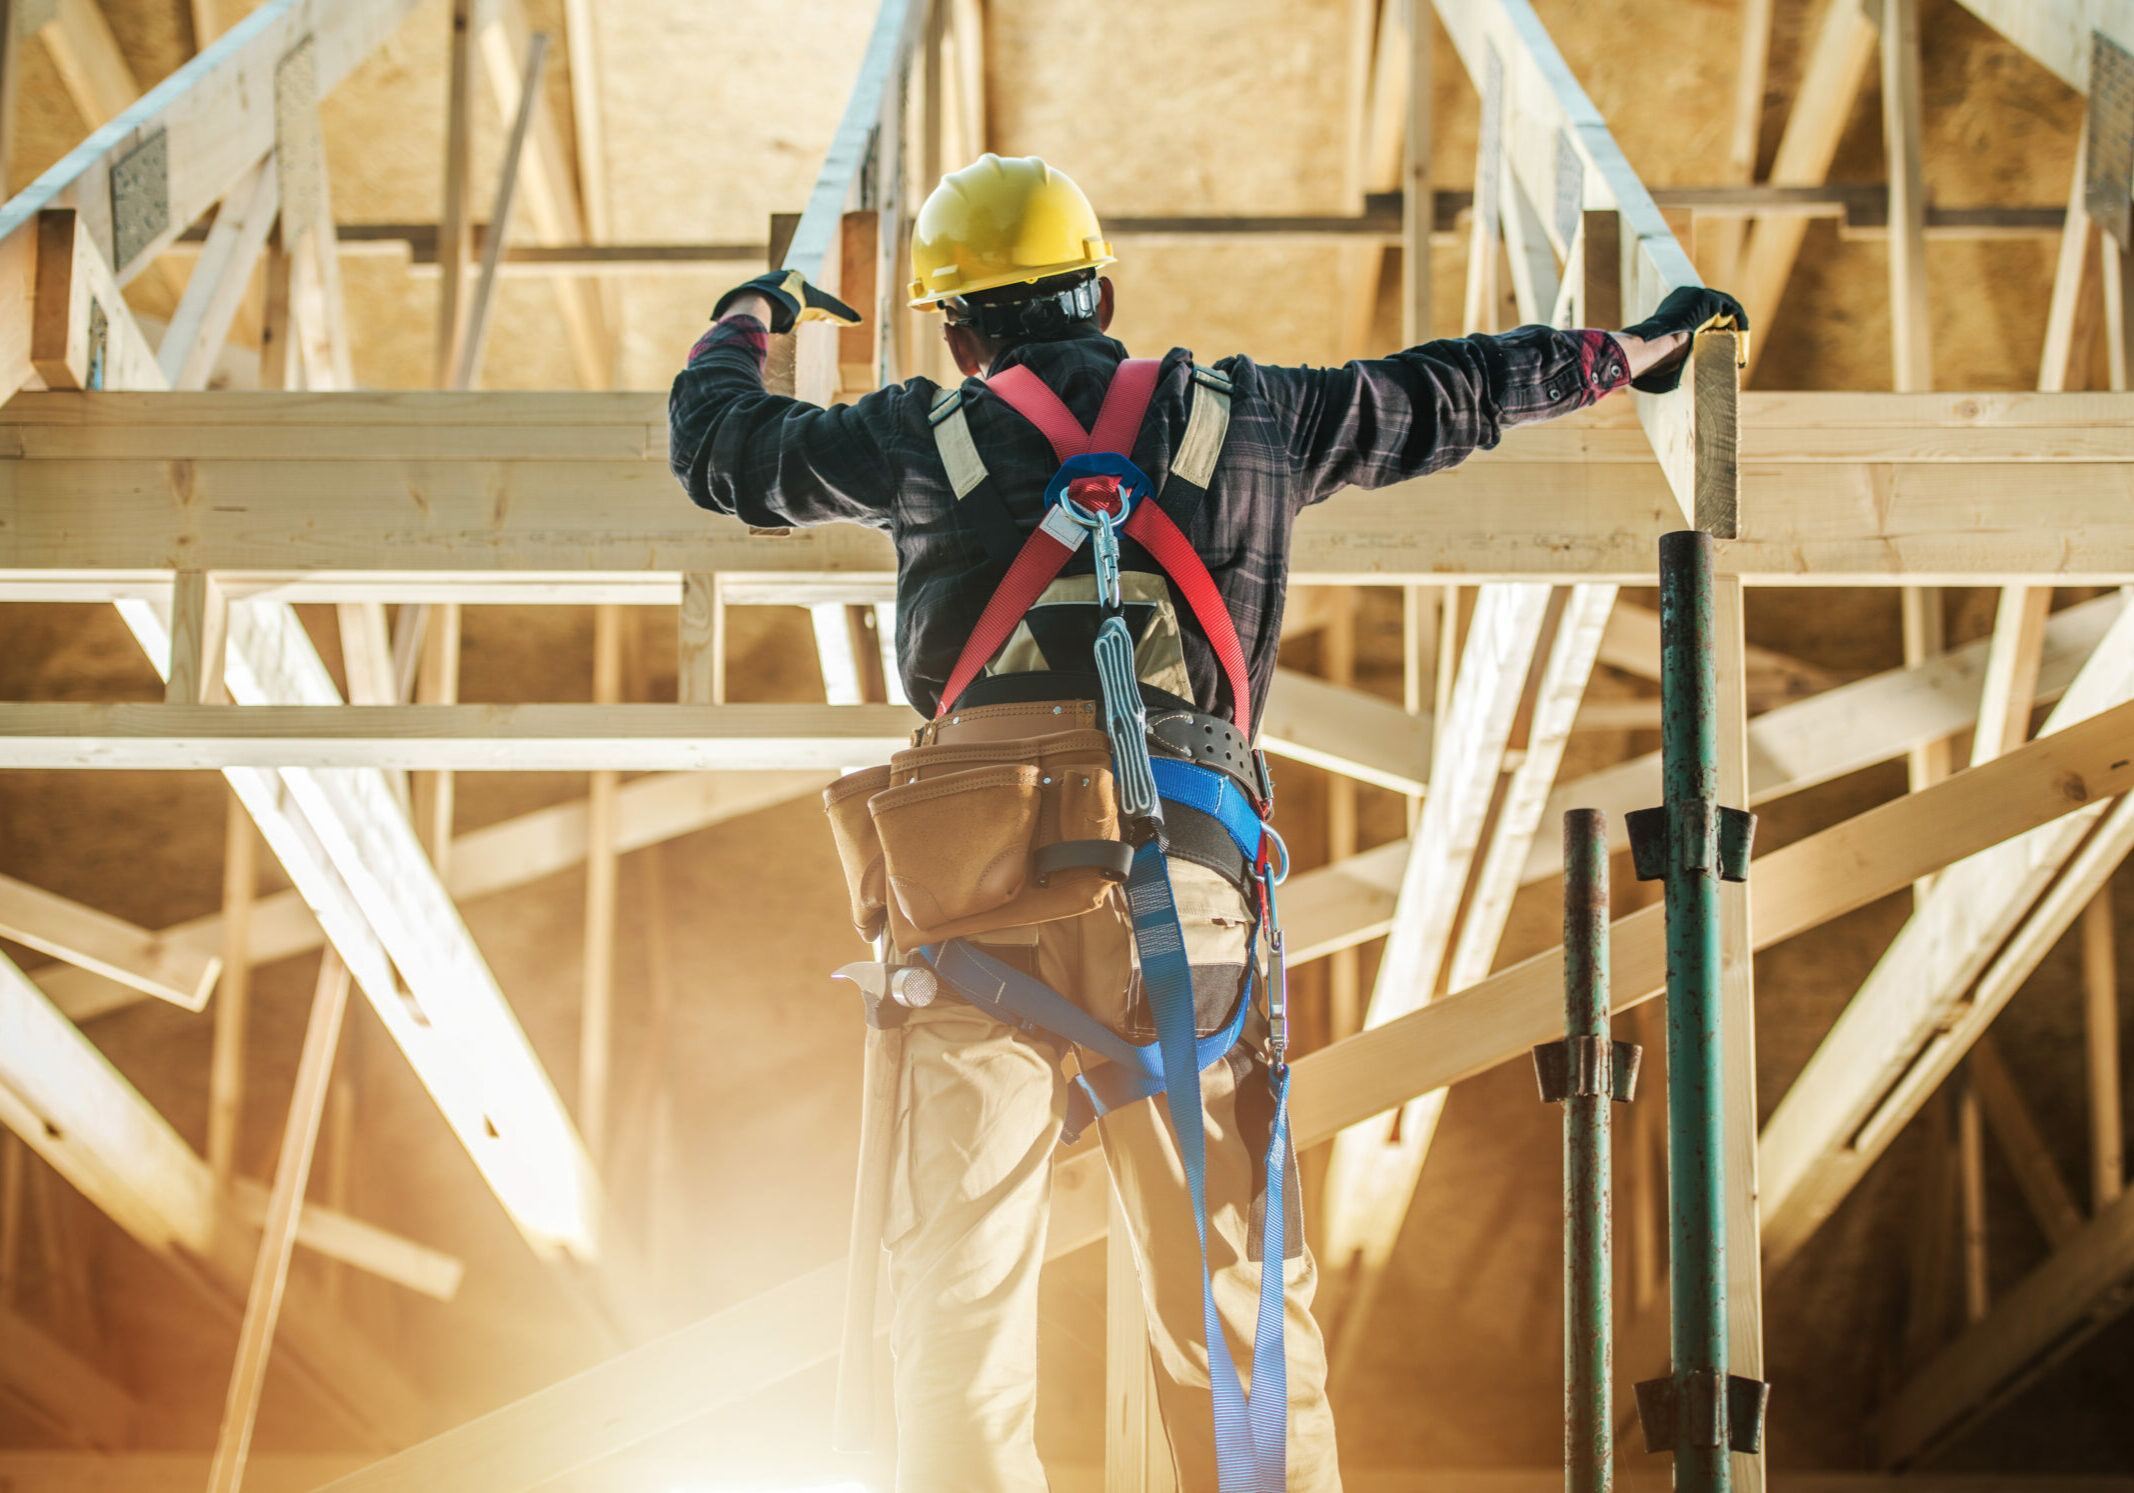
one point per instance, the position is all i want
(1049, 310)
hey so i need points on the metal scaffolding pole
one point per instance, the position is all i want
(1699, 1412)
(1586, 1072)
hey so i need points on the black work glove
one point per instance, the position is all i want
(1691, 309)
(792, 300)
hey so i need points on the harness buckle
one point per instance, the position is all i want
(1277, 973)
(1263, 776)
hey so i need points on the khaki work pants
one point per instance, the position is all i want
(981, 1111)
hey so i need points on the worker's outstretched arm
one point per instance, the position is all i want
(769, 460)
(1383, 420)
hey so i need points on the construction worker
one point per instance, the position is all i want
(1061, 830)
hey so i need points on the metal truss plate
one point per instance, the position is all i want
(299, 154)
(2109, 171)
(1570, 187)
(140, 200)
(1489, 150)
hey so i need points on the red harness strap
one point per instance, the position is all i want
(1055, 540)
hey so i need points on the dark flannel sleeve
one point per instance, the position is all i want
(766, 459)
(1382, 420)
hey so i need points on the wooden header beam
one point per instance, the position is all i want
(411, 492)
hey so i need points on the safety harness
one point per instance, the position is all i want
(1098, 496)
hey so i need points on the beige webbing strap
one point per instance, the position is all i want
(952, 438)
(1206, 425)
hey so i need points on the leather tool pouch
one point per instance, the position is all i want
(974, 836)
(859, 848)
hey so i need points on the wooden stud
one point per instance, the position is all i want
(2069, 320)
(270, 1274)
(1337, 658)
(596, 1012)
(1836, 66)
(199, 640)
(280, 363)
(700, 670)
(221, 278)
(553, 211)
(1971, 1179)
(1418, 201)
(2100, 1030)
(455, 234)
(2011, 671)
(1936, 1227)
(2037, 1175)
(1744, 134)
(475, 338)
(581, 34)
(1911, 329)
(226, 1069)
(437, 684)
(207, 23)
(109, 947)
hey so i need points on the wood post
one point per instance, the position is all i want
(199, 640)
(474, 339)
(596, 1015)
(240, 881)
(270, 1271)
(455, 225)
(2100, 1027)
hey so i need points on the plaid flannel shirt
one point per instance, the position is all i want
(1297, 436)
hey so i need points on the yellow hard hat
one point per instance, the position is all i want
(1001, 222)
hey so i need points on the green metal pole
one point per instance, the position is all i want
(1689, 754)
(1589, 1419)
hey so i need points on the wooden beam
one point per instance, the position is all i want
(108, 946)
(270, 1271)
(1911, 330)
(341, 1237)
(455, 233)
(2070, 319)
(770, 1336)
(1971, 1191)
(2056, 33)
(1418, 203)
(437, 683)
(700, 665)
(199, 640)
(2100, 1030)
(226, 1061)
(581, 35)
(1721, 238)
(1888, 502)
(1837, 64)
(83, 335)
(1813, 1142)
(552, 209)
(2012, 663)
(221, 278)
(455, 738)
(596, 1008)
(1347, 731)
(2037, 1175)
(2081, 1289)
(1853, 726)
(474, 340)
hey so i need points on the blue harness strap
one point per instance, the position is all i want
(1251, 1427)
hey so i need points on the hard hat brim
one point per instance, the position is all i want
(923, 299)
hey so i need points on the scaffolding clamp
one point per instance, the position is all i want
(1707, 836)
(1594, 1066)
(1687, 1411)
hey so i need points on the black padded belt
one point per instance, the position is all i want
(1205, 741)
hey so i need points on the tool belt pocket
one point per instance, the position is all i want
(859, 847)
(967, 837)
(956, 848)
